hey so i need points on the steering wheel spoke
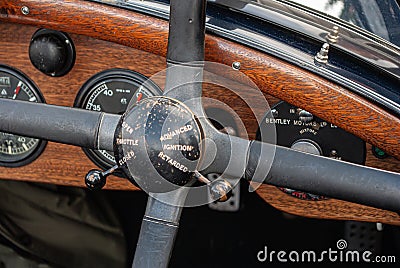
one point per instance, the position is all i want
(59, 124)
(159, 228)
(284, 167)
(184, 83)
(185, 53)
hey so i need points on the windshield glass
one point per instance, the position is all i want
(381, 17)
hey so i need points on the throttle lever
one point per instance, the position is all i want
(96, 179)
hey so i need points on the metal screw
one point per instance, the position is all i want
(333, 35)
(236, 65)
(25, 10)
(322, 55)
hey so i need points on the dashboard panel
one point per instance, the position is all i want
(68, 165)
(59, 158)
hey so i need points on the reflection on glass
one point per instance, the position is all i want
(376, 16)
(334, 8)
(365, 13)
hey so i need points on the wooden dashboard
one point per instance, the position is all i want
(137, 42)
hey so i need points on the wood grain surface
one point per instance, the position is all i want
(144, 40)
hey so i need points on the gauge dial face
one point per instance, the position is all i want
(111, 91)
(18, 150)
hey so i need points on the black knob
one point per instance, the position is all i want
(95, 179)
(52, 52)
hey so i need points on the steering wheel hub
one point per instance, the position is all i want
(158, 144)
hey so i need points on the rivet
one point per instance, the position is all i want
(236, 65)
(25, 10)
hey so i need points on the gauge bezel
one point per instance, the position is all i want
(90, 85)
(36, 152)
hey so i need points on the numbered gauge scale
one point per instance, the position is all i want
(111, 91)
(17, 150)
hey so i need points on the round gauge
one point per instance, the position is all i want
(302, 131)
(111, 91)
(17, 150)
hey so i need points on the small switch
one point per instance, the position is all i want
(305, 116)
